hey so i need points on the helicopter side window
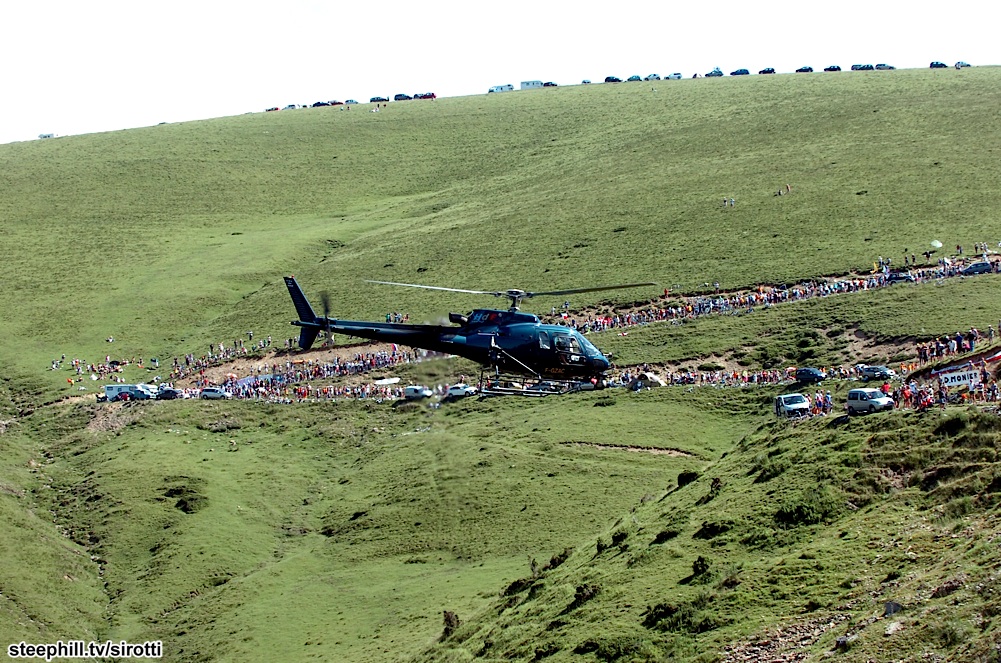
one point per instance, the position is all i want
(544, 340)
(563, 343)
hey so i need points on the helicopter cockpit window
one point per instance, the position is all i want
(543, 340)
(589, 348)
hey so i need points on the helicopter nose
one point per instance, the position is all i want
(600, 363)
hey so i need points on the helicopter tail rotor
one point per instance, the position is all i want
(325, 302)
(309, 323)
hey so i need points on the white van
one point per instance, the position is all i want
(138, 392)
(868, 400)
(416, 392)
(501, 88)
(792, 406)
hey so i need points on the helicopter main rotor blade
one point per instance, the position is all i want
(575, 291)
(435, 287)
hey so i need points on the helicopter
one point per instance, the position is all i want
(508, 341)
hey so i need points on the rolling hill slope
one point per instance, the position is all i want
(676, 524)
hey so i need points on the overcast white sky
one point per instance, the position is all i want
(75, 67)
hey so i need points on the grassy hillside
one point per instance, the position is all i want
(799, 537)
(181, 232)
(588, 527)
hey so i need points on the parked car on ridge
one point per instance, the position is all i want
(977, 268)
(833, 67)
(805, 70)
(807, 375)
(867, 400)
(215, 393)
(767, 70)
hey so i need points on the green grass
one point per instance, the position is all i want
(343, 531)
(180, 232)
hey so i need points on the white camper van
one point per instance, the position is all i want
(501, 88)
(138, 392)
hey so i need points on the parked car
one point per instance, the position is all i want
(767, 70)
(417, 392)
(961, 64)
(715, 73)
(877, 373)
(652, 77)
(350, 102)
(215, 393)
(633, 79)
(273, 108)
(862, 67)
(587, 82)
(833, 67)
(378, 100)
(318, 104)
(402, 97)
(740, 72)
(884, 67)
(673, 77)
(805, 70)
(426, 95)
(792, 406)
(977, 268)
(461, 390)
(867, 400)
(901, 277)
(169, 394)
(549, 84)
(612, 79)
(937, 65)
(335, 103)
(809, 375)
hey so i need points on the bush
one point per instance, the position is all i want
(558, 559)
(688, 617)
(687, 477)
(665, 536)
(700, 566)
(451, 623)
(814, 505)
(582, 594)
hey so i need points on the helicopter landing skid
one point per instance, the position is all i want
(498, 384)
